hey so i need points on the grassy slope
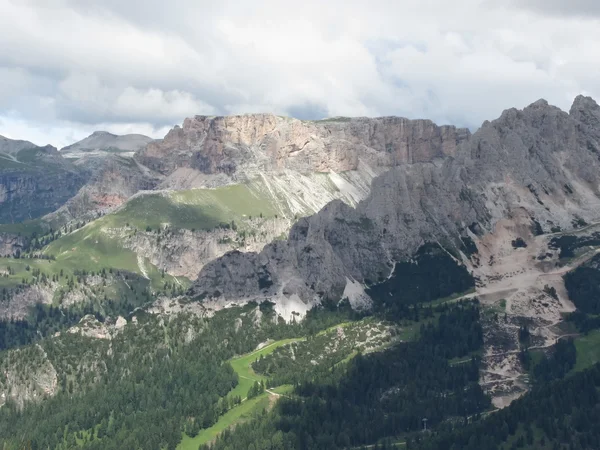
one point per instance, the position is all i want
(247, 408)
(26, 228)
(244, 411)
(92, 247)
(588, 350)
(202, 209)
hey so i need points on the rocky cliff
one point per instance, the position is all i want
(112, 179)
(540, 161)
(35, 181)
(239, 147)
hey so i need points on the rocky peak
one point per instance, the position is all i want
(536, 163)
(102, 143)
(103, 133)
(242, 146)
(585, 110)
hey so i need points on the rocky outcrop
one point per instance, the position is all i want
(27, 375)
(34, 182)
(182, 252)
(90, 327)
(112, 180)
(539, 160)
(23, 298)
(238, 147)
(11, 243)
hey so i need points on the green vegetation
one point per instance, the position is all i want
(249, 407)
(378, 395)
(432, 274)
(155, 380)
(588, 350)
(247, 410)
(243, 367)
(304, 359)
(568, 245)
(559, 415)
(26, 228)
(200, 209)
(583, 286)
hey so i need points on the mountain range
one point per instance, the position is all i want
(231, 211)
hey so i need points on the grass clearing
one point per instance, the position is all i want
(248, 408)
(588, 350)
(242, 366)
(27, 228)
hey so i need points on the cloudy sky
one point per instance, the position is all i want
(69, 67)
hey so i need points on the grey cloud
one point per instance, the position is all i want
(578, 8)
(308, 111)
(148, 64)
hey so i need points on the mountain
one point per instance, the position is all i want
(238, 148)
(539, 164)
(308, 284)
(10, 146)
(103, 142)
(530, 172)
(34, 180)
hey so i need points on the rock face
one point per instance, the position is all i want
(35, 181)
(184, 252)
(540, 161)
(240, 146)
(11, 243)
(112, 180)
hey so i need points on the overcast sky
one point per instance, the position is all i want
(69, 67)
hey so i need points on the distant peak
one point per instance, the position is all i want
(102, 133)
(582, 103)
(541, 103)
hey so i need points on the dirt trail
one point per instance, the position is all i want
(513, 283)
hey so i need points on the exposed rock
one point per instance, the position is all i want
(31, 384)
(35, 181)
(89, 326)
(184, 252)
(120, 323)
(10, 243)
(18, 305)
(540, 161)
(112, 180)
(242, 146)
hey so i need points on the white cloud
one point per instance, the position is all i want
(72, 66)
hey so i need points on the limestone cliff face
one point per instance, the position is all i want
(113, 179)
(540, 163)
(35, 181)
(239, 146)
(181, 252)
(11, 243)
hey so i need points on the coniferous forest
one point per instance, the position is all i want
(167, 378)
